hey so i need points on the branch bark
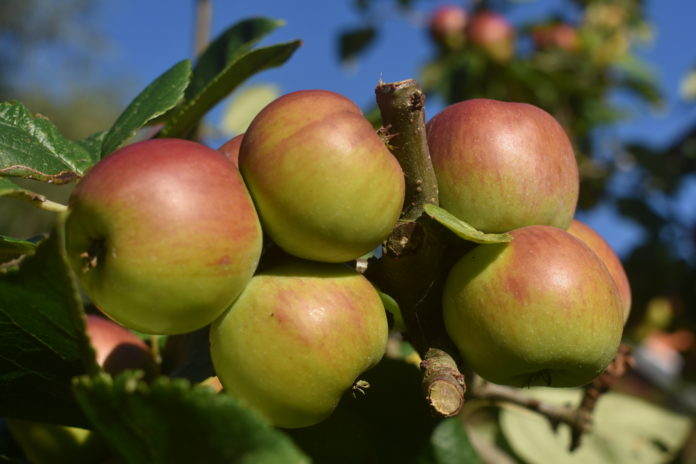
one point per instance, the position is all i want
(578, 418)
(443, 384)
(402, 107)
(204, 16)
(414, 265)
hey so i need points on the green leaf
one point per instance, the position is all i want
(392, 307)
(462, 229)
(450, 444)
(94, 142)
(185, 118)
(226, 48)
(163, 94)
(43, 343)
(12, 190)
(355, 41)
(626, 429)
(32, 147)
(171, 422)
(13, 247)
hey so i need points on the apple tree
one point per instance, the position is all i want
(317, 290)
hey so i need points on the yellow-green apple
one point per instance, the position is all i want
(492, 33)
(297, 338)
(606, 253)
(324, 184)
(539, 310)
(501, 165)
(163, 235)
(447, 25)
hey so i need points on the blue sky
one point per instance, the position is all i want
(147, 37)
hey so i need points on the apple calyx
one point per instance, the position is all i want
(94, 255)
(359, 388)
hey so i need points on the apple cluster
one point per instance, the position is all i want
(451, 27)
(547, 308)
(166, 237)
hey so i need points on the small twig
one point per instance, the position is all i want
(556, 414)
(593, 391)
(443, 384)
(579, 418)
(52, 206)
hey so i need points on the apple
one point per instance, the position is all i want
(447, 25)
(604, 251)
(493, 34)
(163, 235)
(501, 165)
(44, 443)
(231, 149)
(297, 338)
(539, 310)
(117, 348)
(325, 185)
(559, 35)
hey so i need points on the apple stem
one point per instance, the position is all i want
(52, 206)
(401, 105)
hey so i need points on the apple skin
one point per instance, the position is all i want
(540, 310)
(492, 33)
(231, 149)
(296, 340)
(117, 349)
(447, 26)
(501, 166)
(325, 185)
(595, 241)
(170, 232)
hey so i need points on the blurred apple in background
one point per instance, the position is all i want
(447, 26)
(492, 33)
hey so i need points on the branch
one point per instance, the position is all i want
(443, 384)
(579, 418)
(402, 107)
(554, 413)
(602, 384)
(414, 263)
